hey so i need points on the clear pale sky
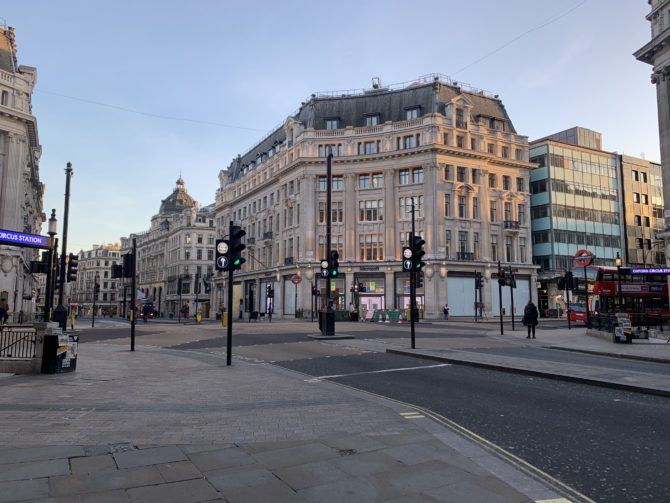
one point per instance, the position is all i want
(235, 70)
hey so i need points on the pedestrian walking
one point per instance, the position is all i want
(530, 315)
(241, 308)
(270, 313)
(445, 310)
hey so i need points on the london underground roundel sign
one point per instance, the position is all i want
(583, 258)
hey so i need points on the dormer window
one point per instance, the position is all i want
(372, 120)
(412, 113)
(333, 123)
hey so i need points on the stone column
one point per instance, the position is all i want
(350, 218)
(390, 219)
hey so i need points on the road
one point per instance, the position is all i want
(610, 445)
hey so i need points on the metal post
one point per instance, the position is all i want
(60, 309)
(567, 298)
(412, 287)
(500, 300)
(53, 265)
(229, 331)
(47, 286)
(133, 294)
(179, 306)
(196, 289)
(95, 294)
(586, 292)
(618, 273)
(295, 301)
(328, 324)
(476, 281)
(511, 293)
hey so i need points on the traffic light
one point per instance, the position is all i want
(419, 279)
(325, 268)
(570, 281)
(407, 262)
(117, 271)
(236, 247)
(501, 277)
(269, 291)
(128, 261)
(72, 267)
(561, 284)
(361, 287)
(222, 261)
(333, 263)
(40, 266)
(417, 253)
(479, 281)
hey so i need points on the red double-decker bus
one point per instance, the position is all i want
(642, 293)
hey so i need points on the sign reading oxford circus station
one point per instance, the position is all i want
(15, 238)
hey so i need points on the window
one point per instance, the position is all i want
(519, 154)
(371, 211)
(332, 123)
(417, 175)
(520, 184)
(461, 207)
(644, 176)
(372, 120)
(473, 144)
(636, 197)
(647, 244)
(638, 220)
(370, 147)
(336, 216)
(509, 249)
(521, 209)
(475, 244)
(635, 176)
(646, 222)
(409, 141)
(448, 243)
(507, 182)
(493, 210)
(377, 180)
(210, 254)
(200, 236)
(187, 254)
(475, 175)
(475, 208)
(447, 205)
(403, 176)
(460, 141)
(462, 242)
(338, 182)
(505, 152)
(507, 208)
(448, 172)
(412, 113)
(364, 181)
(492, 181)
(638, 243)
(5, 98)
(461, 174)
(494, 248)
(406, 207)
(645, 199)
(522, 249)
(198, 254)
(491, 148)
(370, 247)
(187, 237)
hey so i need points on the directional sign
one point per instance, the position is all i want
(407, 264)
(222, 262)
(325, 273)
(14, 238)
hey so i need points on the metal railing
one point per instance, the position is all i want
(288, 260)
(267, 235)
(512, 224)
(17, 342)
(465, 256)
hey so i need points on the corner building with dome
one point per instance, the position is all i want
(451, 148)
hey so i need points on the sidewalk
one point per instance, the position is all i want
(159, 425)
(454, 350)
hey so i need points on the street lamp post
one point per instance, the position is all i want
(53, 226)
(95, 295)
(60, 313)
(617, 262)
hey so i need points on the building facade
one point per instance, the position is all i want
(175, 258)
(575, 204)
(95, 290)
(642, 186)
(21, 190)
(450, 149)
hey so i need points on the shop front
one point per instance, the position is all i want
(403, 290)
(337, 292)
(369, 294)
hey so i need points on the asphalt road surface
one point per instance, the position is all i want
(610, 445)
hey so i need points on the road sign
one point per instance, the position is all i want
(222, 262)
(296, 279)
(583, 258)
(407, 264)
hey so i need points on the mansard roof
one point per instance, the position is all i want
(178, 200)
(389, 104)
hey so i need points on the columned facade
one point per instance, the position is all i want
(452, 151)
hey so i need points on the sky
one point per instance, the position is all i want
(136, 93)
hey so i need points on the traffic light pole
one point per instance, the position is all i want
(412, 289)
(133, 294)
(328, 318)
(567, 298)
(229, 328)
(500, 300)
(61, 312)
(476, 288)
(511, 293)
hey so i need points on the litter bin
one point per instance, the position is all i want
(327, 322)
(59, 353)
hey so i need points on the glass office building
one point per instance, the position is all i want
(575, 204)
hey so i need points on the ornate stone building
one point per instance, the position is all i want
(450, 148)
(95, 268)
(21, 190)
(657, 54)
(175, 257)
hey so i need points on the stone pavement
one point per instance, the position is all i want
(158, 425)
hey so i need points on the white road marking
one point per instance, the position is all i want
(379, 371)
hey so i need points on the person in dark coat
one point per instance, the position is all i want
(445, 310)
(530, 314)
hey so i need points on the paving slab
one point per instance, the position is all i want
(34, 469)
(146, 457)
(104, 480)
(275, 491)
(91, 464)
(188, 491)
(23, 490)
(223, 458)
